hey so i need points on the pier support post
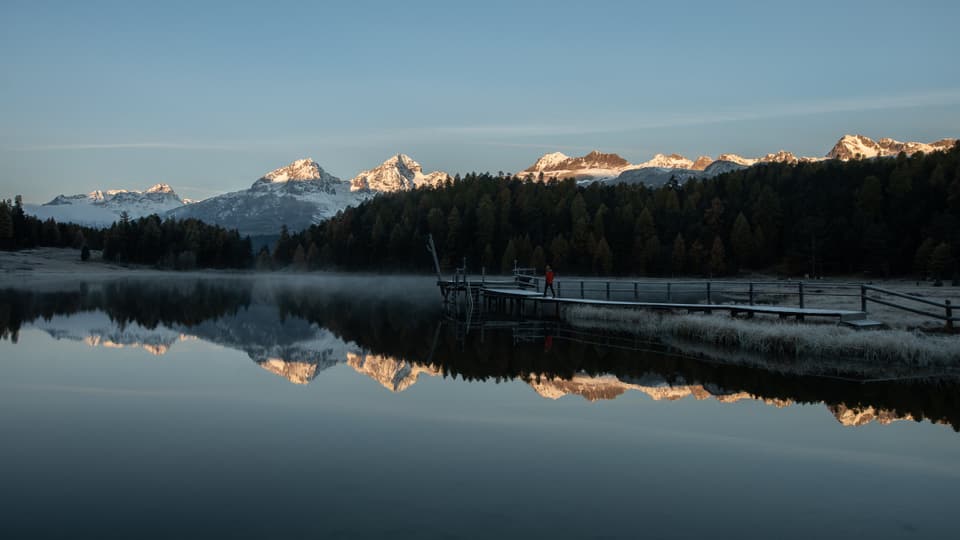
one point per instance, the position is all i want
(800, 292)
(669, 294)
(949, 310)
(709, 300)
(863, 298)
(751, 293)
(608, 290)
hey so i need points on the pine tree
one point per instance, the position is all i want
(509, 258)
(678, 258)
(603, 258)
(299, 258)
(741, 239)
(921, 259)
(718, 257)
(6, 226)
(940, 261)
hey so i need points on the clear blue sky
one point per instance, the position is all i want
(207, 96)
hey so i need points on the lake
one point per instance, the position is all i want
(351, 407)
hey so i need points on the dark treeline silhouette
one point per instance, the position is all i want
(147, 304)
(181, 244)
(19, 230)
(170, 243)
(885, 216)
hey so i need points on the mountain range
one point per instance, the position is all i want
(303, 193)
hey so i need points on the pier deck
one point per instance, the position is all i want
(518, 299)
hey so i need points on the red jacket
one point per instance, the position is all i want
(549, 277)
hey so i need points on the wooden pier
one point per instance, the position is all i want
(519, 302)
(520, 295)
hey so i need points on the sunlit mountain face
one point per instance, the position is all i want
(394, 334)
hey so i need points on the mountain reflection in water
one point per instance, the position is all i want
(297, 331)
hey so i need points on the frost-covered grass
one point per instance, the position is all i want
(777, 338)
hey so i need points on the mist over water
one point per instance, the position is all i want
(332, 405)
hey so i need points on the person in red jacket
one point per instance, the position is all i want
(549, 283)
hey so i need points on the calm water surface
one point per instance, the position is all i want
(351, 408)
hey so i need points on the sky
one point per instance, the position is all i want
(208, 96)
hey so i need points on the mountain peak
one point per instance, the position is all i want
(398, 173)
(160, 188)
(672, 161)
(301, 169)
(701, 163)
(559, 162)
(863, 147)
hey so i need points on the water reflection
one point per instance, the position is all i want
(297, 331)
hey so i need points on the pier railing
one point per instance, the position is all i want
(802, 294)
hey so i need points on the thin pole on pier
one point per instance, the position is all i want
(949, 310)
(669, 294)
(863, 298)
(800, 292)
(581, 288)
(751, 293)
(708, 293)
(636, 294)
(608, 290)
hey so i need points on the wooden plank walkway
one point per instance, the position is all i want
(519, 297)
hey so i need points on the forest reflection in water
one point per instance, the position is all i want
(394, 332)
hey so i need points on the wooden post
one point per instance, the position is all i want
(483, 274)
(709, 301)
(751, 293)
(669, 294)
(636, 294)
(800, 292)
(863, 298)
(581, 289)
(949, 310)
(608, 290)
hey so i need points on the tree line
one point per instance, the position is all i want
(167, 243)
(883, 217)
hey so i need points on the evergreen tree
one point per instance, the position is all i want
(940, 261)
(603, 258)
(741, 240)
(509, 258)
(718, 257)
(678, 258)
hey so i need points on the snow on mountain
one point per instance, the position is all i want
(593, 166)
(863, 147)
(672, 161)
(701, 163)
(297, 195)
(101, 208)
(398, 173)
(739, 160)
(549, 162)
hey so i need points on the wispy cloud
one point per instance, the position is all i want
(507, 134)
(130, 146)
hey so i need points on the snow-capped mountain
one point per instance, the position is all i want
(673, 161)
(701, 163)
(593, 166)
(398, 173)
(661, 168)
(862, 147)
(100, 208)
(296, 195)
